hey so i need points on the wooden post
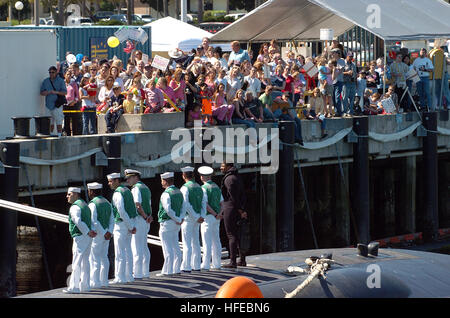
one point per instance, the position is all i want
(285, 187)
(388, 203)
(444, 194)
(269, 213)
(361, 178)
(407, 196)
(9, 155)
(112, 146)
(430, 177)
(341, 206)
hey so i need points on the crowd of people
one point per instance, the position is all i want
(192, 209)
(237, 87)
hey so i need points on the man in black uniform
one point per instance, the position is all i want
(233, 210)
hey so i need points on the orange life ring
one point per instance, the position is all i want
(239, 287)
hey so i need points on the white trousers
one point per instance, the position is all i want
(139, 248)
(123, 261)
(99, 262)
(168, 233)
(190, 233)
(212, 248)
(79, 279)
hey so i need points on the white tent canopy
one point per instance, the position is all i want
(287, 20)
(169, 33)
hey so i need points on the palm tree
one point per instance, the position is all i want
(200, 11)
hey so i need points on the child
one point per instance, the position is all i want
(129, 104)
(361, 86)
(221, 79)
(206, 103)
(374, 107)
(194, 114)
(219, 95)
(316, 105)
(92, 88)
(266, 70)
(88, 107)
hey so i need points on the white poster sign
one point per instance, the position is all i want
(388, 105)
(310, 69)
(412, 76)
(326, 34)
(160, 62)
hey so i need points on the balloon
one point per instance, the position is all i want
(113, 41)
(18, 5)
(79, 58)
(71, 58)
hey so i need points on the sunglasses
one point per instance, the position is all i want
(51, 72)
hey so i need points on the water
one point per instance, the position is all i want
(29, 270)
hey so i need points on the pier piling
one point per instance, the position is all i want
(430, 176)
(9, 155)
(361, 178)
(285, 187)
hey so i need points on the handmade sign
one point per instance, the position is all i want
(134, 34)
(388, 105)
(310, 69)
(160, 62)
(412, 76)
(326, 34)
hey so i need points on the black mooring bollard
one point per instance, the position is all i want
(9, 155)
(42, 125)
(112, 146)
(21, 127)
(285, 187)
(361, 179)
(430, 175)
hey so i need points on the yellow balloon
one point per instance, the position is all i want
(113, 41)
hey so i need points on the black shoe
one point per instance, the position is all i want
(230, 265)
(186, 272)
(242, 263)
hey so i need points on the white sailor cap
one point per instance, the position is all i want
(114, 175)
(94, 186)
(167, 175)
(205, 170)
(187, 169)
(131, 172)
(74, 189)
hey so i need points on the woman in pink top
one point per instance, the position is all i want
(72, 97)
(179, 87)
(162, 85)
(154, 98)
(221, 111)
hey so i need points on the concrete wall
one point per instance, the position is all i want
(25, 57)
(150, 145)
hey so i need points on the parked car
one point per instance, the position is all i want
(99, 15)
(235, 16)
(147, 18)
(213, 27)
(79, 21)
(123, 18)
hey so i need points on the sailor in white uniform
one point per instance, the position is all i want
(82, 234)
(125, 214)
(170, 217)
(195, 202)
(210, 228)
(139, 246)
(103, 223)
